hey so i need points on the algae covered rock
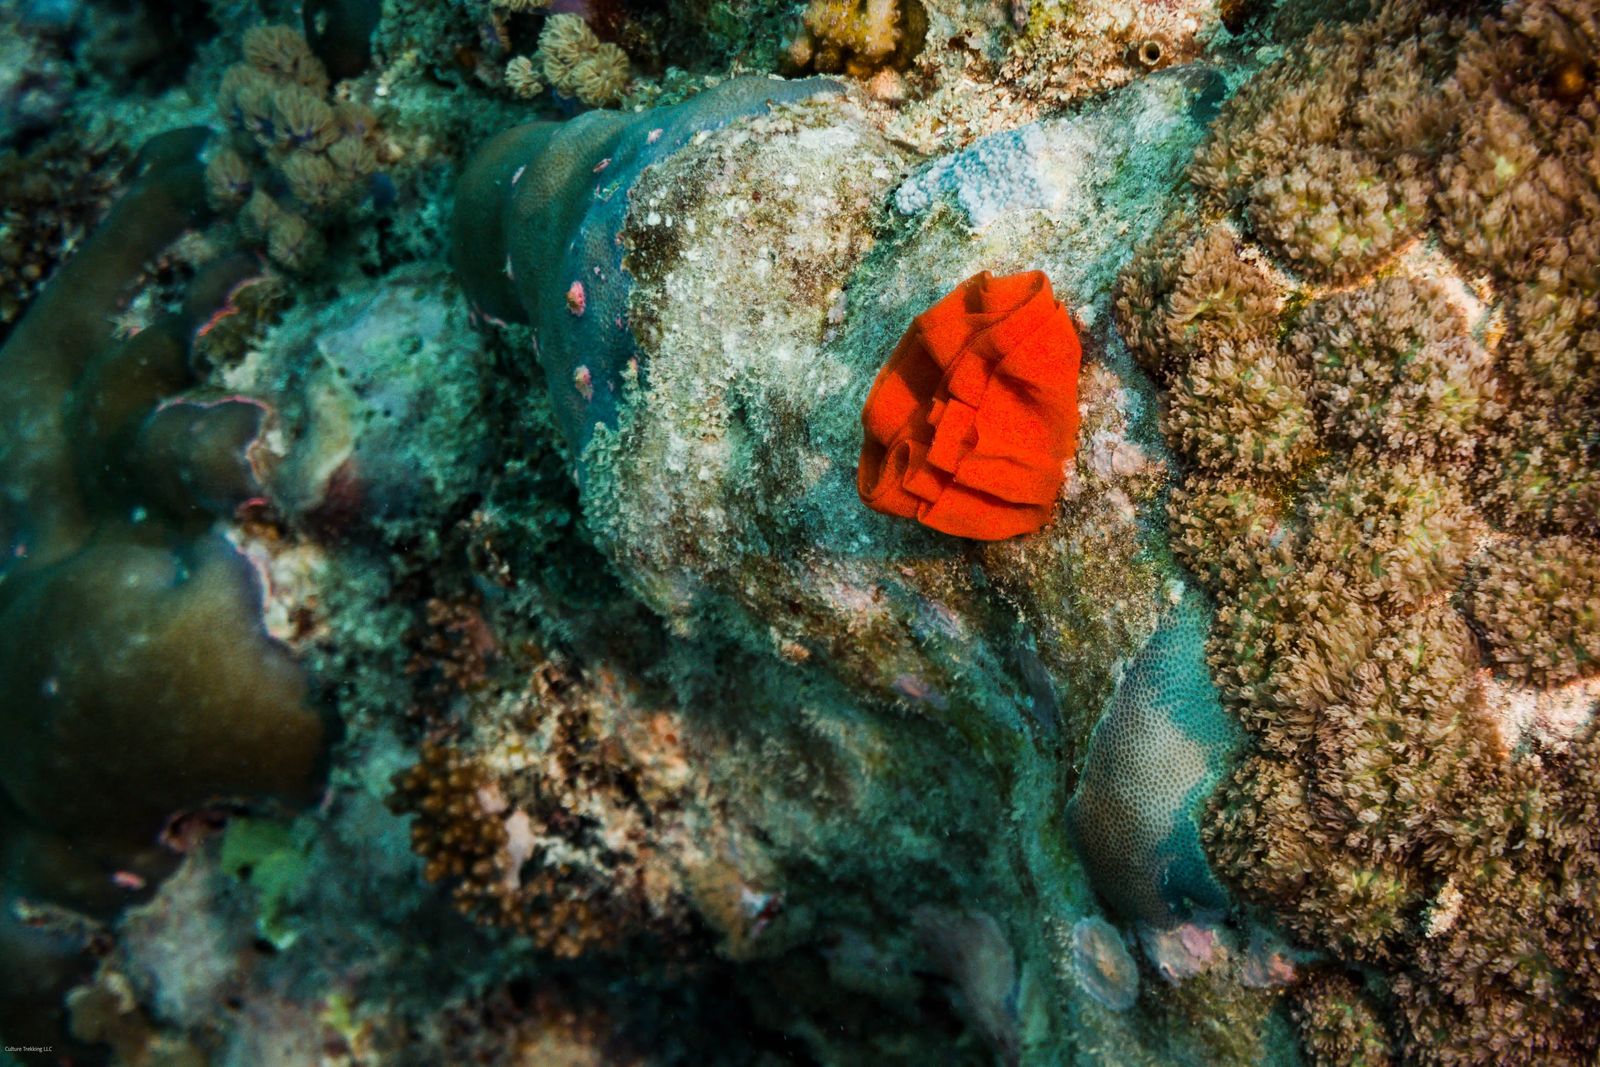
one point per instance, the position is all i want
(752, 412)
(379, 407)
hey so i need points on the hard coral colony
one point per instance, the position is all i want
(458, 600)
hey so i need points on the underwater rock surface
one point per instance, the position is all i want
(442, 624)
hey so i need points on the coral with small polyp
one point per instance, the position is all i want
(1393, 499)
(295, 159)
(1333, 172)
(540, 819)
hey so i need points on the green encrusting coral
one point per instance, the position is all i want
(1154, 758)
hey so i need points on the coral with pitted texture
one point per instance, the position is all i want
(1155, 755)
(1392, 498)
(296, 158)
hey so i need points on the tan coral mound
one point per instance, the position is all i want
(1393, 496)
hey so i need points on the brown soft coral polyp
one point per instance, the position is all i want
(970, 423)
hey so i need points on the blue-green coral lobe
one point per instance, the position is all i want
(1153, 759)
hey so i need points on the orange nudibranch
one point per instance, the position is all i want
(970, 424)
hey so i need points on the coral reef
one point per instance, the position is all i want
(1064, 51)
(540, 851)
(1103, 964)
(1338, 1023)
(1267, 738)
(144, 658)
(91, 422)
(364, 392)
(1534, 602)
